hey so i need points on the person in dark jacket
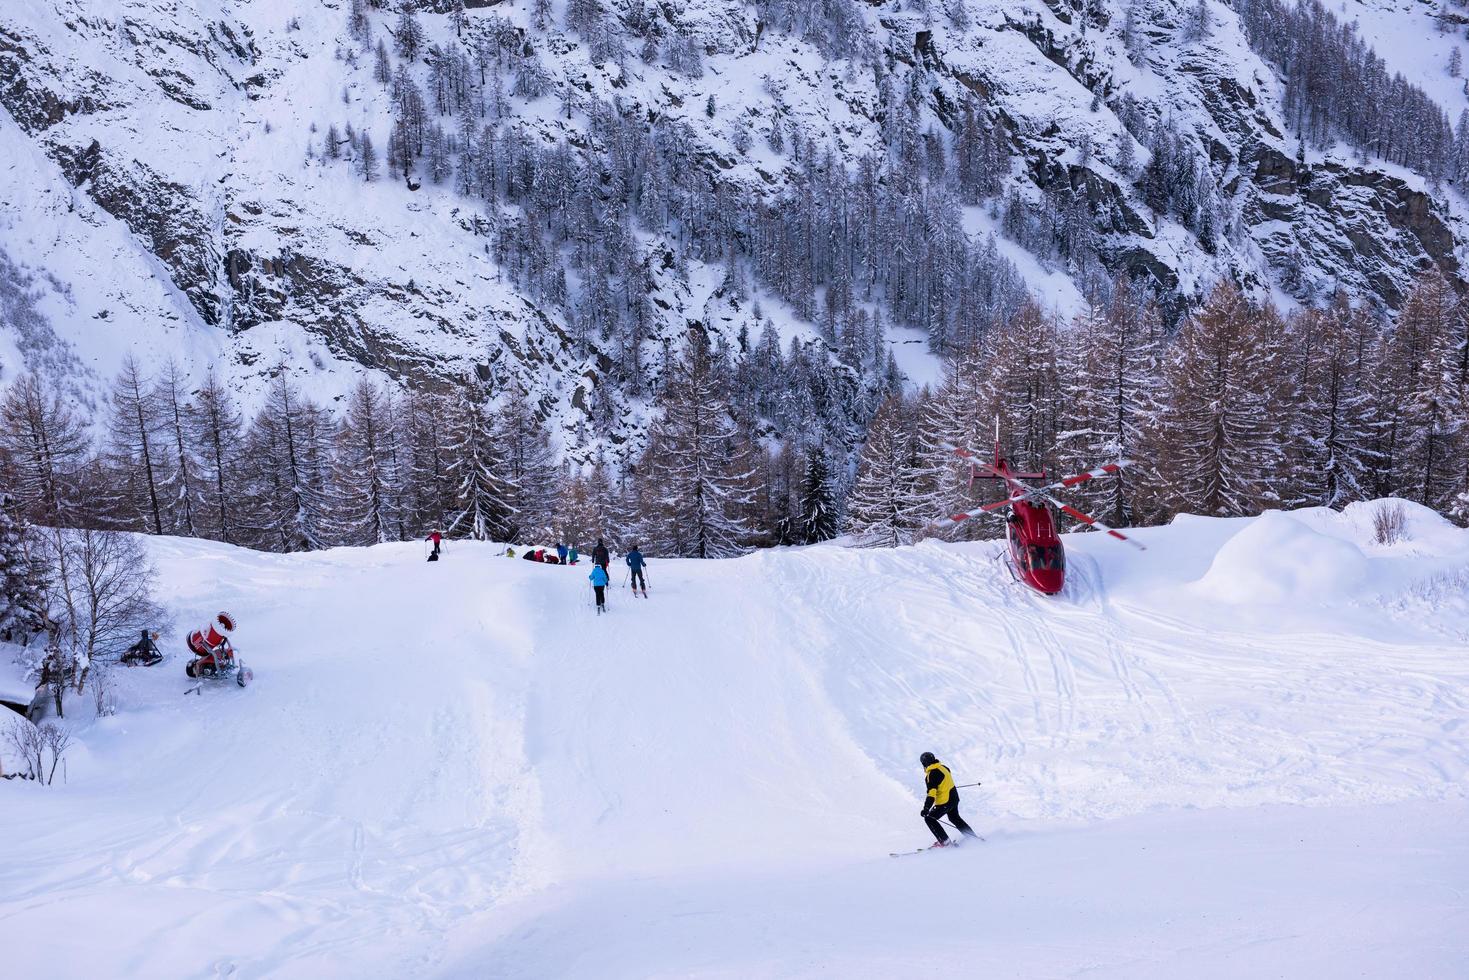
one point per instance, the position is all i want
(942, 800)
(600, 555)
(635, 565)
(561, 553)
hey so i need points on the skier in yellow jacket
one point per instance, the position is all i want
(942, 800)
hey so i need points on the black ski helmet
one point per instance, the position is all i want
(927, 759)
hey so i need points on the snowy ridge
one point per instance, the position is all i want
(456, 770)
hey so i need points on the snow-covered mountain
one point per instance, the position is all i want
(1242, 752)
(166, 188)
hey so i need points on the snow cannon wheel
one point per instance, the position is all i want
(189, 668)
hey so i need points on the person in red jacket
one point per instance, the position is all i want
(435, 538)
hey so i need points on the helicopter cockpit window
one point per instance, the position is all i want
(1045, 558)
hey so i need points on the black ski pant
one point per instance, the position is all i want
(601, 591)
(637, 576)
(950, 810)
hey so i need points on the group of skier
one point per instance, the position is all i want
(601, 577)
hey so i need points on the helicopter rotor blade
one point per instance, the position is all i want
(1093, 522)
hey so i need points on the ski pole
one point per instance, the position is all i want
(966, 785)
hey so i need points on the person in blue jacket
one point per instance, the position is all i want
(635, 564)
(599, 586)
(561, 551)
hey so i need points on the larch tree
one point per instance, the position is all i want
(1422, 375)
(216, 435)
(366, 477)
(44, 445)
(530, 464)
(181, 479)
(1336, 422)
(1111, 398)
(137, 449)
(1218, 441)
(288, 450)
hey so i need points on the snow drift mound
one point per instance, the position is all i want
(1278, 559)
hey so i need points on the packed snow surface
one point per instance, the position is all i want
(1240, 753)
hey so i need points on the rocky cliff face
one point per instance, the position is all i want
(187, 124)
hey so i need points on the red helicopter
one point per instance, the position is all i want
(1036, 555)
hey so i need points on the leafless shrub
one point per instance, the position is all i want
(1389, 524)
(40, 749)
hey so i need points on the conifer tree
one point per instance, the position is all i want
(180, 484)
(818, 500)
(216, 436)
(1218, 440)
(530, 465)
(483, 490)
(137, 450)
(431, 484)
(701, 465)
(366, 478)
(44, 446)
(1111, 400)
(1336, 420)
(287, 455)
(408, 35)
(23, 576)
(888, 505)
(1422, 381)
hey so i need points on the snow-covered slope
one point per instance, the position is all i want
(179, 212)
(1239, 753)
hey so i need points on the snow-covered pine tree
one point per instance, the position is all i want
(483, 488)
(1111, 398)
(23, 576)
(137, 455)
(954, 417)
(364, 500)
(408, 35)
(890, 504)
(215, 433)
(702, 465)
(1020, 384)
(818, 499)
(1218, 441)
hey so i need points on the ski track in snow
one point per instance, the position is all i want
(460, 770)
